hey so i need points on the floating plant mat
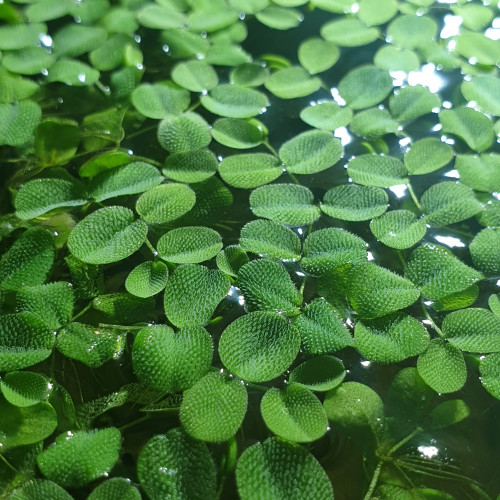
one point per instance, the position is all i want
(249, 249)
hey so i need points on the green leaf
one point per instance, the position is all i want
(427, 155)
(116, 487)
(30, 61)
(230, 259)
(448, 413)
(113, 53)
(279, 18)
(147, 279)
(25, 388)
(489, 369)
(373, 12)
(294, 413)
(28, 261)
(227, 54)
(259, 346)
(132, 178)
(365, 86)
(354, 203)
(192, 294)
(320, 373)
(326, 115)
(160, 100)
(213, 408)
(189, 245)
(21, 35)
(474, 16)
(357, 410)
(90, 345)
(208, 18)
(161, 17)
(195, 75)
(398, 229)
(184, 44)
(478, 49)
(277, 470)
(171, 362)
(271, 239)
(185, 132)
(494, 303)
(40, 489)
(249, 74)
(22, 426)
(73, 72)
(391, 58)
(328, 249)
(238, 133)
(409, 103)
(336, 6)
(490, 213)
(311, 152)
(249, 6)
(15, 88)
(377, 170)
(448, 202)
(39, 196)
(437, 272)
(286, 203)
(390, 339)
(119, 20)
(470, 125)
(457, 300)
(18, 121)
(122, 308)
(322, 329)
(442, 366)
(480, 172)
(191, 166)
(317, 55)
(375, 291)
(412, 31)
(234, 101)
(90, 410)
(348, 32)
(107, 235)
(250, 170)
(485, 251)
(52, 303)
(73, 39)
(48, 10)
(174, 465)
(292, 82)
(374, 122)
(104, 161)
(267, 285)
(77, 458)
(56, 141)
(473, 330)
(484, 91)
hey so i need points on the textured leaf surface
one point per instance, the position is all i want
(158, 100)
(442, 366)
(365, 86)
(185, 132)
(176, 466)
(375, 291)
(24, 388)
(449, 202)
(259, 346)
(171, 362)
(40, 489)
(234, 101)
(427, 155)
(147, 279)
(398, 229)
(485, 251)
(473, 329)
(390, 339)
(292, 82)
(311, 152)
(213, 408)
(279, 470)
(320, 373)
(267, 286)
(374, 122)
(448, 413)
(192, 294)
(328, 249)
(286, 203)
(480, 48)
(78, 458)
(29, 61)
(373, 12)
(238, 133)
(326, 115)
(484, 91)
(269, 238)
(24, 341)
(322, 329)
(74, 40)
(230, 259)
(355, 203)
(317, 55)
(480, 172)
(249, 74)
(122, 308)
(294, 413)
(196, 76)
(279, 18)
(73, 72)
(392, 58)
(189, 245)
(437, 272)
(107, 235)
(190, 166)
(250, 170)
(377, 170)
(411, 102)
(116, 487)
(165, 203)
(18, 121)
(412, 31)
(489, 368)
(348, 32)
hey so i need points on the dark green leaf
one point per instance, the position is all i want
(348, 32)
(320, 373)
(317, 55)
(18, 121)
(398, 229)
(480, 172)
(160, 100)
(377, 170)
(185, 132)
(147, 279)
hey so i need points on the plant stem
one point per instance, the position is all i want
(403, 441)
(134, 422)
(414, 196)
(268, 146)
(294, 179)
(373, 483)
(8, 464)
(141, 131)
(82, 312)
(427, 315)
(151, 248)
(148, 160)
(261, 388)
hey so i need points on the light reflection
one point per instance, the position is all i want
(337, 97)
(428, 451)
(451, 26)
(450, 241)
(344, 136)
(45, 40)
(366, 364)
(399, 190)
(453, 174)
(370, 256)
(427, 77)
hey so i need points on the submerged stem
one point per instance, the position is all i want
(373, 482)
(414, 196)
(429, 318)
